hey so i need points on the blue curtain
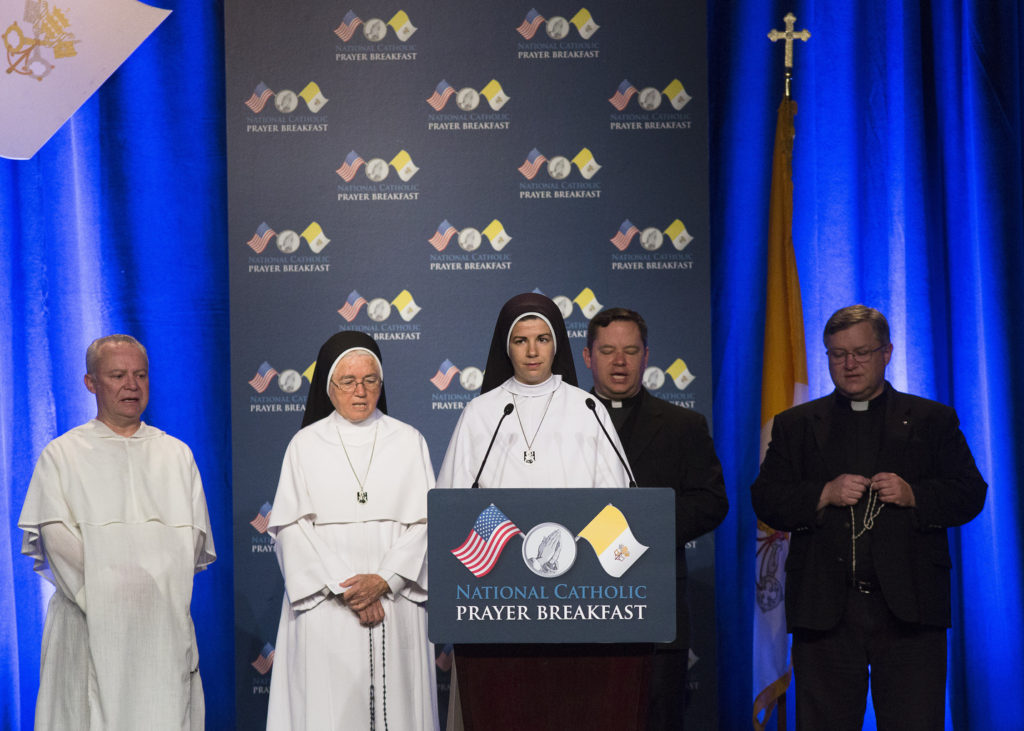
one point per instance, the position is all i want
(909, 197)
(118, 225)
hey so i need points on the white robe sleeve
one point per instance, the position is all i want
(407, 558)
(66, 556)
(455, 468)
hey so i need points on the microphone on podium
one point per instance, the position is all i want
(509, 408)
(593, 407)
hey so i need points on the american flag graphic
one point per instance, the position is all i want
(262, 519)
(351, 166)
(259, 97)
(624, 235)
(265, 660)
(443, 235)
(622, 95)
(442, 93)
(261, 238)
(348, 26)
(530, 24)
(532, 164)
(262, 378)
(482, 547)
(352, 305)
(445, 373)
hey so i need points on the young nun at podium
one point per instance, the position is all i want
(545, 435)
(350, 531)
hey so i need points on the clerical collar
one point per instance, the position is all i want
(626, 403)
(878, 402)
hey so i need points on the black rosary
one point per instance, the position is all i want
(384, 678)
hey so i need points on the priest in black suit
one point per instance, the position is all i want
(667, 446)
(867, 479)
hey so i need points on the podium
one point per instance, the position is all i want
(552, 598)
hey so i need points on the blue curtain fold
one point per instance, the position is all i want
(909, 196)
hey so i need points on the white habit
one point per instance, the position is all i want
(552, 421)
(120, 526)
(321, 674)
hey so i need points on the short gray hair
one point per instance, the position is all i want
(92, 353)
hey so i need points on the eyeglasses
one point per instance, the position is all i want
(349, 383)
(863, 355)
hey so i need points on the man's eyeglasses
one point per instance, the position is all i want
(862, 355)
(349, 383)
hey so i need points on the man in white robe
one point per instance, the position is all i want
(349, 521)
(116, 518)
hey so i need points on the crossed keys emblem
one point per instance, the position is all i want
(49, 30)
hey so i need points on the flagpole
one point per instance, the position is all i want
(784, 384)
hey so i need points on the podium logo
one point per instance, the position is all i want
(482, 548)
(377, 169)
(651, 237)
(610, 536)
(286, 101)
(649, 97)
(378, 309)
(288, 241)
(557, 27)
(559, 167)
(469, 238)
(468, 99)
(375, 29)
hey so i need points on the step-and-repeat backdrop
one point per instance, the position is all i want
(402, 169)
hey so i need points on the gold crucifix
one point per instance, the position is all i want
(789, 35)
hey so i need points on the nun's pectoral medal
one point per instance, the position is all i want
(530, 454)
(361, 496)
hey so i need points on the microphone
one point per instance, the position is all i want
(509, 408)
(593, 407)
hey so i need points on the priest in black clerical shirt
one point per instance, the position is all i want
(667, 446)
(867, 479)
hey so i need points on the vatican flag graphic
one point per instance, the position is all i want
(616, 547)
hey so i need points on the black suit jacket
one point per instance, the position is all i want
(923, 444)
(671, 447)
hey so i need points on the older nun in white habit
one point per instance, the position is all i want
(349, 521)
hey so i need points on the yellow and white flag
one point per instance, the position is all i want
(406, 305)
(314, 236)
(783, 384)
(676, 94)
(404, 165)
(57, 55)
(588, 302)
(678, 234)
(495, 232)
(495, 95)
(313, 97)
(584, 23)
(402, 25)
(585, 161)
(308, 373)
(614, 543)
(680, 374)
